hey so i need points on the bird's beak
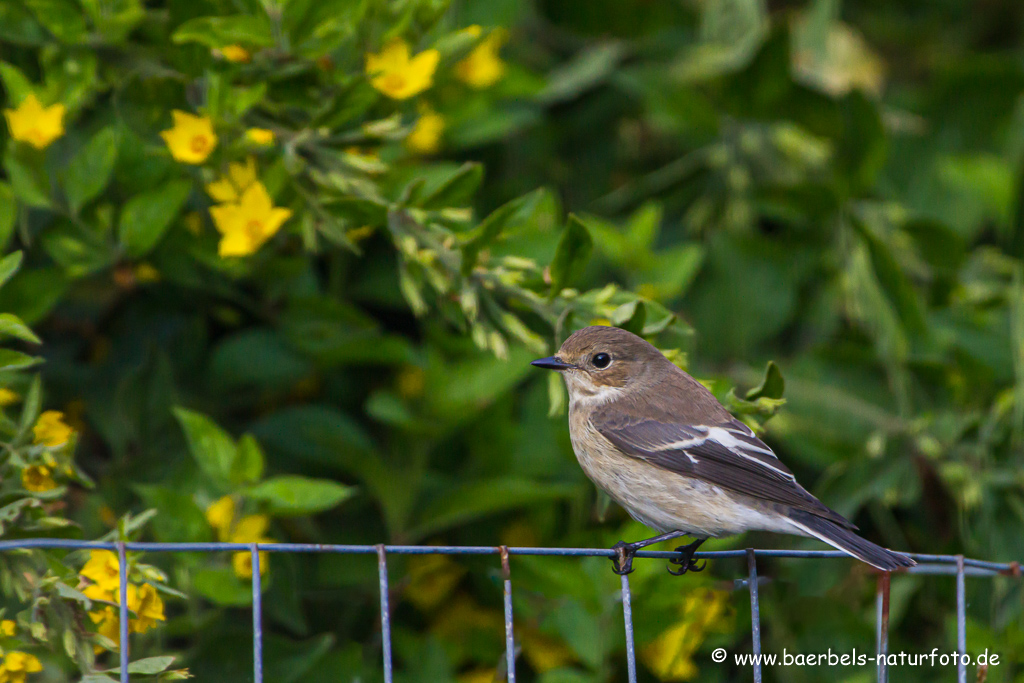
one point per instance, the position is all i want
(552, 363)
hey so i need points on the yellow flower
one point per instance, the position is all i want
(411, 382)
(247, 225)
(17, 665)
(103, 569)
(483, 67)
(148, 607)
(145, 272)
(363, 155)
(260, 136)
(7, 627)
(361, 233)
(221, 515)
(477, 676)
(33, 124)
(193, 222)
(241, 562)
(144, 602)
(393, 73)
(462, 617)
(108, 516)
(670, 656)
(36, 478)
(234, 53)
(544, 652)
(108, 624)
(191, 139)
(94, 592)
(231, 186)
(431, 579)
(520, 534)
(8, 397)
(250, 529)
(425, 137)
(50, 429)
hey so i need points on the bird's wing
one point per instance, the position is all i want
(727, 454)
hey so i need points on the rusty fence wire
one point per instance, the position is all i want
(927, 564)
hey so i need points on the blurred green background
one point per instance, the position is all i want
(836, 187)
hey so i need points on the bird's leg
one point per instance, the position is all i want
(685, 561)
(624, 552)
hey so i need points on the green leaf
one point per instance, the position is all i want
(33, 404)
(187, 523)
(581, 630)
(505, 216)
(17, 85)
(313, 433)
(9, 266)
(771, 387)
(78, 252)
(12, 326)
(67, 592)
(8, 213)
(220, 31)
(588, 68)
(221, 587)
(631, 317)
(256, 358)
(571, 254)
(296, 496)
(27, 176)
(556, 395)
(18, 26)
(147, 216)
(89, 170)
(149, 665)
(33, 293)
(894, 281)
(211, 446)
(457, 190)
(114, 19)
(472, 501)
(15, 360)
(61, 17)
(248, 466)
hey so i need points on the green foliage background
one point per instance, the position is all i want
(837, 188)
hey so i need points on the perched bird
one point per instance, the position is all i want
(665, 449)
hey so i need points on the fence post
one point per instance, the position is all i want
(755, 613)
(961, 621)
(385, 611)
(882, 641)
(627, 615)
(510, 641)
(257, 616)
(122, 590)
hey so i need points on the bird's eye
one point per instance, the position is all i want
(601, 360)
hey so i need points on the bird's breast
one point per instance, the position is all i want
(663, 500)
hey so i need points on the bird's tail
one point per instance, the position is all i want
(849, 542)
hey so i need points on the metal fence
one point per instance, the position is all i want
(927, 564)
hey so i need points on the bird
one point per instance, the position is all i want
(662, 446)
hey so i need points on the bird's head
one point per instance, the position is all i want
(600, 361)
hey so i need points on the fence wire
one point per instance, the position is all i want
(927, 564)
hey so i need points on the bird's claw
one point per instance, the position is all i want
(685, 561)
(623, 558)
(689, 566)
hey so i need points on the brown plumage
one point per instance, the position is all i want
(661, 445)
